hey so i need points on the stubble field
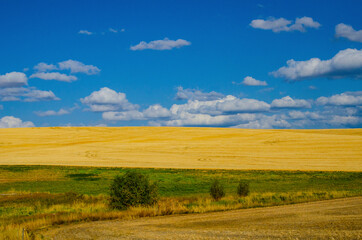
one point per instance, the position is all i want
(196, 148)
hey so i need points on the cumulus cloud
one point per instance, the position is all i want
(13, 122)
(123, 116)
(189, 119)
(54, 76)
(288, 102)
(282, 24)
(250, 81)
(156, 111)
(263, 121)
(78, 67)
(165, 44)
(152, 112)
(193, 94)
(304, 115)
(226, 105)
(347, 31)
(39, 95)
(52, 113)
(346, 63)
(13, 79)
(30, 94)
(85, 32)
(107, 99)
(44, 67)
(343, 99)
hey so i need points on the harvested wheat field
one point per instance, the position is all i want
(332, 219)
(166, 147)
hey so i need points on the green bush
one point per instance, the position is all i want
(242, 189)
(217, 190)
(132, 189)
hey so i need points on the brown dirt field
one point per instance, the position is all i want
(177, 147)
(332, 219)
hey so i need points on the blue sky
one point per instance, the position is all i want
(246, 64)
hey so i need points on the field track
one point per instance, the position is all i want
(332, 219)
(164, 147)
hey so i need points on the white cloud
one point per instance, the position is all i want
(266, 122)
(156, 111)
(13, 122)
(30, 94)
(78, 67)
(347, 31)
(346, 63)
(85, 32)
(193, 94)
(304, 115)
(228, 104)
(108, 100)
(54, 76)
(39, 95)
(250, 81)
(344, 120)
(288, 102)
(113, 30)
(52, 113)
(282, 24)
(152, 112)
(165, 44)
(13, 79)
(44, 67)
(189, 119)
(123, 116)
(343, 99)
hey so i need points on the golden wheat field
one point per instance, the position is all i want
(177, 147)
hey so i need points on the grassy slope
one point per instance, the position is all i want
(172, 182)
(215, 148)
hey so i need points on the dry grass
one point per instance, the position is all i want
(164, 147)
(36, 211)
(334, 219)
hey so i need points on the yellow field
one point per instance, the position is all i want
(164, 147)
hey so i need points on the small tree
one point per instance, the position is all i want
(243, 189)
(132, 189)
(217, 190)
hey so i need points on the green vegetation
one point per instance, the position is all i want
(173, 182)
(217, 190)
(132, 189)
(242, 189)
(33, 197)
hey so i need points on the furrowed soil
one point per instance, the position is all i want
(193, 148)
(332, 219)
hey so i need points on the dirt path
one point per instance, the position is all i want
(333, 219)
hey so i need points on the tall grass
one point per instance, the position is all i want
(34, 212)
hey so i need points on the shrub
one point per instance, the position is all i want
(242, 189)
(132, 189)
(217, 190)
